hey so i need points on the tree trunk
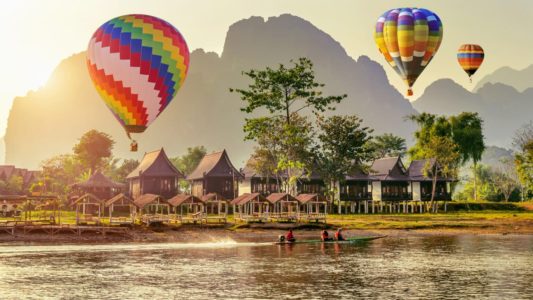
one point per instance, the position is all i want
(433, 188)
(475, 181)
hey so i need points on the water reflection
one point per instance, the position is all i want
(391, 268)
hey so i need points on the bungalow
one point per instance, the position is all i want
(391, 180)
(100, 186)
(423, 185)
(215, 174)
(253, 182)
(154, 175)
(356, 187)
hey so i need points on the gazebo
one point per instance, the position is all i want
(216, 207)
(312, 207)
(89, 209)
(285, 207)
(122, 204)
(100, 186)
(251, 207)
(153, 208)
(187, 208)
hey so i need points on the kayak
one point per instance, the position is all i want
(346, 241)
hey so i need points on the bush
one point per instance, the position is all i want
(479, 206)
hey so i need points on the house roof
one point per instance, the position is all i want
(389, 169)
(146, 199)
(182, 199)
(245, 198)
(6, 171)
(416, 170)
(155, 163)
(213, 197)
(98, 180)
(92, 199)
(215, 164)
(358, 175)
(276, 197)
(305, 198)
(119, 197)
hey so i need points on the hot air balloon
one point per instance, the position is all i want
(137, 64)
(470, 57)
(408, 38)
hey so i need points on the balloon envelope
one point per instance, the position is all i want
(137, 64)
(470, 57)
(408, 38)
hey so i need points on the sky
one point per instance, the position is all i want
(36, 35)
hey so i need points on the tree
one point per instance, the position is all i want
(387, 145)
(284, 133)
(190, 160)
(467, 133)
(13, 185)
(59, 172)
(120, 173)
(286, 91)
(523, 142)
(93, 148)
(506, 178)
(341, 148)
(429, 126)
(442, 156)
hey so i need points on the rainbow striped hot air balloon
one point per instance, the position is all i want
(470, 58)
(408, 38)
(137, 64)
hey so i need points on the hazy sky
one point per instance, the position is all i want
(37, 35)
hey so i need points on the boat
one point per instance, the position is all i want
(346, 241)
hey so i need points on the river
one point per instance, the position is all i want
(434, 267)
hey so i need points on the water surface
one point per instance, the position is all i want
(458, 267)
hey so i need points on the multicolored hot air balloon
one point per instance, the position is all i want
(470, 57)
(137, 64)
(408, 38)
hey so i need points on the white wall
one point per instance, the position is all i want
(416, 191)
(376, 190)
(245, 186)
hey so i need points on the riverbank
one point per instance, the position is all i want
(472, 223)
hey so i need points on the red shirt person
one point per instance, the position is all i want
(290, 237)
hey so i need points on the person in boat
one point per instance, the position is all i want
(338, 235)
(290, 237)
(325, 236)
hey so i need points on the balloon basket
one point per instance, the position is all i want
(133, 146)
(409, 92)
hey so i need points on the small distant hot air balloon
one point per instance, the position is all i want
(408, 38)
(137, 64)
(470, 57)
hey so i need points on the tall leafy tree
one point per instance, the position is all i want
(523, 142)
(126, 167)
(341, 148)
(387, 144)
(190, 160)
(429, 125)
(445, 153)
(284, 93)
(467, 132)
(93, 149)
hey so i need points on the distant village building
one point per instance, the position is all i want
(215, 174)
(356, 187)
(391, 180)
(28, 177)
(154, 175)
(100, 186)
(422, 185)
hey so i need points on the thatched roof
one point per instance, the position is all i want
(88, 198)
(182, 199)
(213, 197)
(98, 180)
(245, 198)
(120, 197)
(146, 199)
(276, 197)
(157, 164)
(305, 198)
(215, 164)
(389, 169)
